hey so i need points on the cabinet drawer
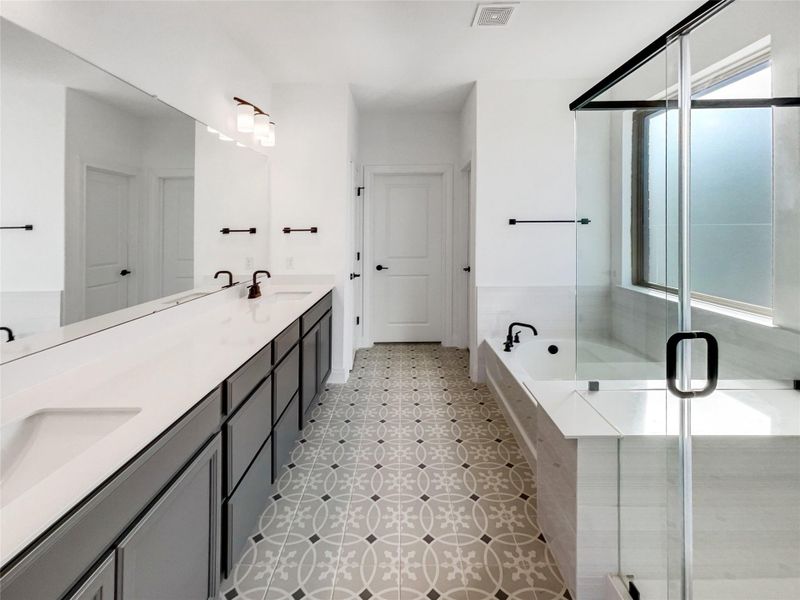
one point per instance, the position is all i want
(243, 509)
(244, 381)
(314, 314)
(58, 561)
(246, 431)
(285, 434)
(287, 381)
(286, 339)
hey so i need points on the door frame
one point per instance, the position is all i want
(152, 246)
(446, 171)
(74, 304)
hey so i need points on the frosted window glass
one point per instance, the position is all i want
(731, 201)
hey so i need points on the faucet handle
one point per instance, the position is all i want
(516, 337)
(507, 345)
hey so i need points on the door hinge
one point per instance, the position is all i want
(359, 189)
(358, 320)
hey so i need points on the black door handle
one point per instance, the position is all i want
(712, 363)
(381, 268)
(467, 269)
(124, 272)
(354, 275)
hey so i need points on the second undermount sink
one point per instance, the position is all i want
(37, 445)
(285, 296)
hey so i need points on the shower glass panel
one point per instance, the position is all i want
(745, 252)
(627, 166)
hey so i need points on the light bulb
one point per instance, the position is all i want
(245, 115)
(261, 127)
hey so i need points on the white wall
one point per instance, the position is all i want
(32, 118)
(525, 169)
(173, 49)
(231, 189)
(311, 186)
(400, 138)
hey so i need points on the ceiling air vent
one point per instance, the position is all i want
(493, 15)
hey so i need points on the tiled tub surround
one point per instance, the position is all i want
(407, 483)
(607, 476)
(158, 368)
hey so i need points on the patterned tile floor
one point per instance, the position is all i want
(406, 484)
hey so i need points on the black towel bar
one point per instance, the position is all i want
(309, 229)
(227, 230)
(25, 227)
(583, 221)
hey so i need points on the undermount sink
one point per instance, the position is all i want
(34, 447)
(285, 296)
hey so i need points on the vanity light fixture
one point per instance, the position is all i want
(263, 128)
(245, 117)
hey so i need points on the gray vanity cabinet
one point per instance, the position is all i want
(309, 387)
(324, 349)
(285, 434)
(316, 353)
(172, 550)
(100, 584)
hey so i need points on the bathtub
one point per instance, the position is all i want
(604, 496)
(510, 376)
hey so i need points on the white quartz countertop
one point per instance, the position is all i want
(150, 383)
(729, 411)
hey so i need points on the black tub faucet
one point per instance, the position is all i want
(230, 277)
(513, 338)
(9, 333)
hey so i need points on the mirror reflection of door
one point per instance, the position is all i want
(177, 236)
(107, 205)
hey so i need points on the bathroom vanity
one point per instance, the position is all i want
(148, 487)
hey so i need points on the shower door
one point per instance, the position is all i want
(740, 266)
(688, 303)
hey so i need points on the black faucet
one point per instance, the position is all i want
(513, 338)
(9, 332)
(230, 278)
(255, 289)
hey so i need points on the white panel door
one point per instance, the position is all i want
(106, 242)
(407, 256)
(177, 227)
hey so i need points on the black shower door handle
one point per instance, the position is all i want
(712, 363)
(381, 268)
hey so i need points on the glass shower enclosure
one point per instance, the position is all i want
(688, 300)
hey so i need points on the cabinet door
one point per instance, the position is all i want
(100, 584)
(284, 436)
(309, 382)
(324, 350)
(173, 551)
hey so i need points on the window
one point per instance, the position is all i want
(731, 213)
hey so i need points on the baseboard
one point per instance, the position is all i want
(615, 589)
(525, 443)
(339, 376)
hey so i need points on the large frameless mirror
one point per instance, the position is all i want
(112, 201)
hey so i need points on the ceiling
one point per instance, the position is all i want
(424, 55)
